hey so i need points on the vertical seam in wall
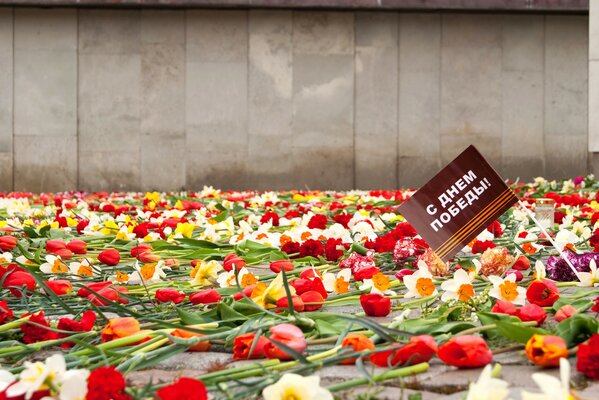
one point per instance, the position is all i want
(77, 145)
(397, 105)
(184, 94)
(12, 142)
(544, 158)
(354, 183)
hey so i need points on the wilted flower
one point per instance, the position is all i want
(495, 261)
(433, 262)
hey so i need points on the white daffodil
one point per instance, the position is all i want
(5, 258)
(506, 289)
(297, 387)
(73, 385)
(37, 375)
(337, 283)
(205, 273)
(379, 284)
(540, 272)
(83, 268)
(565, 237)
(551, 387)
(6, 379)
(458, 288)
(245, 278)
(590, 278)
(54, 265)
(487, 387)
(420, 283)
(149, 273)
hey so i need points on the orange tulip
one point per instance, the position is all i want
(200, 346)
(546, 350)
(358, 342)
(119, 328)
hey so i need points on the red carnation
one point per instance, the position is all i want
(36, 329)
(318, 221)
(311, 248)
(270, 216)
(375, 305)
(480, 246)
(106, 383)
(183, 388)
(291, 248)
(331, 249)
(5, 312)
(588, 358)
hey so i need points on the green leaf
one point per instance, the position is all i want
(198, 243)
(577, 328)
(517, 332)
(581, 305)
(227, 313)
(189, 318)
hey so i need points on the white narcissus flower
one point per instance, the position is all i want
(458, 288)
(83, 268)
(296, 387)
(205, 273)
(73, 385)
(378, 284)
(507, 289)
(244, 277)
(337, 283)
(590, 278)
(5, 258)
(6, 378)
(420, 283)
(54, 265)
(149, 273)
(551, 387)
(36, 375)
(487, 387)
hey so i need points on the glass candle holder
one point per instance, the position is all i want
(544, 212)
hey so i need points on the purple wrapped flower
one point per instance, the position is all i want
(558, 269)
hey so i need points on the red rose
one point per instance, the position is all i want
(522, 263)
(318, 221)
(466, 351)
(7, 243)
(588, 358)
(532, 312)
(77, 246)
(169, 294)
(375, 305)
(279, 265)
(542, 293)
(207, 296)
(106, 383)
(183, 388)
(109, 257)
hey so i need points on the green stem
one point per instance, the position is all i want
(391, 374)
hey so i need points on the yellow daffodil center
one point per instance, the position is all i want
(425, 286)
(381, 282)
(291, 394)
(84, 270)
(341, 285)
(248, 279)
(465, 292)
(121, 277)
(58, 267)
(508, 290)
(147, 271)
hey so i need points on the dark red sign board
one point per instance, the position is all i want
(458, 203)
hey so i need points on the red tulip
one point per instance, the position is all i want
(140, 248)
(298, 303)
(546, 350)
(7, 243)
(247, 291)
(543, 293)
(169, 294)
(504, 307)
(403, 272)
(312, 300)
(55, 245)
(565, 312)
(518, 274)
(522, 263)
(77, 246)
(466, 351)
(242, 345)
(95, 286)
(109, 257)
(279, 265)
(17, 280)
(60, 286)
(233, 260)
(288, 335)
(111, 293)
(375, 305)
(419, 349)
(147, 257)
(207, 296)
(532, 312)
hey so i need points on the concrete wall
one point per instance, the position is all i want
(156, 99)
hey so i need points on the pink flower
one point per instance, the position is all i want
(288, 335)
